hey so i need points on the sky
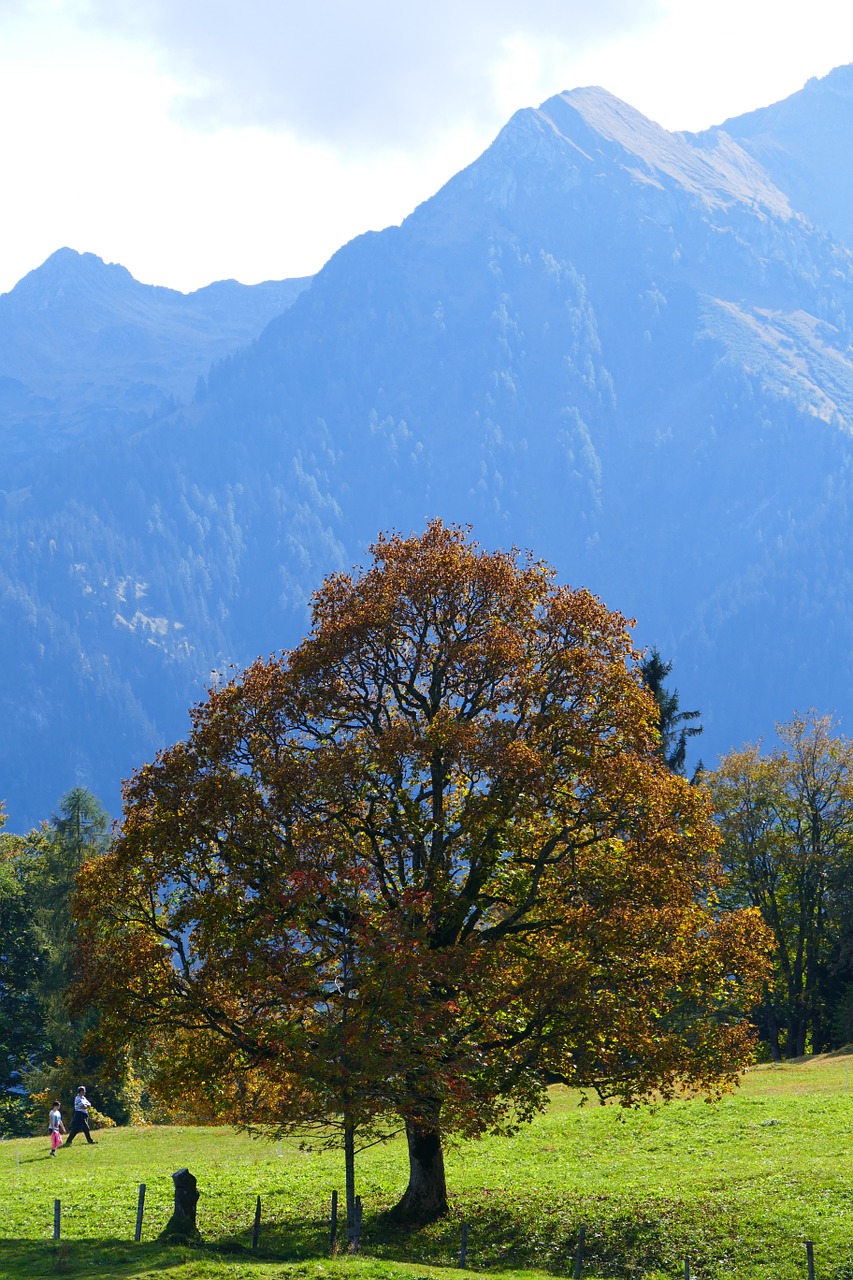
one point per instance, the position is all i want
(200, 140)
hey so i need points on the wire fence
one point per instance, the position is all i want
(353, 1237)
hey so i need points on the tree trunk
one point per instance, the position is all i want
(349, 1175)
(772, 1037)
(796, 1037)
(425, 1198)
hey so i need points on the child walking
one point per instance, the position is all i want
(57, 1128)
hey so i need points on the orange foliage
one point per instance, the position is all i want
(420, 862)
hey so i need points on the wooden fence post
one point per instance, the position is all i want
(56, 1213)
(140, 1207)
(357, 1240)
(463, 1252)
(579, 1252)
(810, 1258)
(333, 1222)
(256, 1229)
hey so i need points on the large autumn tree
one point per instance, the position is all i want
(420, 864)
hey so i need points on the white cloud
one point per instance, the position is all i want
(707, 60)
(358, 76)
(194, 140)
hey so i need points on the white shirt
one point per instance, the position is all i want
(55, 1119)
(81, 1103)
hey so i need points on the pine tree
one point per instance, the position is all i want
(674, 724)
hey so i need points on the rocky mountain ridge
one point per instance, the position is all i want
(86, 348)
(623, 348)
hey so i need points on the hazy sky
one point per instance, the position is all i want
(195, 140)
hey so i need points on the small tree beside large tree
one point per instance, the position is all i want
(786, 818)
(418, 865)
(674, 725)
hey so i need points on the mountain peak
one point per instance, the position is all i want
(839, 80)
(803, 142)
(604, 112)
(605, 134)
(67, 259)
(69, 273)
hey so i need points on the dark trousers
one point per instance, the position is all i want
(79, 1124)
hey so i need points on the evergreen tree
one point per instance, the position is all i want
(674, 724)
(77, 832)
(44, 1048)
(23, 1037)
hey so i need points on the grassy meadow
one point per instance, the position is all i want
(737, 1186)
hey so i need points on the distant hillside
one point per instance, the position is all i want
(84, 347)
(626, 349)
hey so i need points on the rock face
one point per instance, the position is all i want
(624, 348)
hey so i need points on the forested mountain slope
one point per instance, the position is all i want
(624, 348)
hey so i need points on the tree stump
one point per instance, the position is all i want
(181, 1225)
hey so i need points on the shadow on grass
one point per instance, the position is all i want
(124, 1260)
(497, 1241)
(509, 1239)
(29, 1259)
(518, 1234)
(621, 1240)
(89, 1258)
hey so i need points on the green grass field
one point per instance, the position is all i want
(738, 1187)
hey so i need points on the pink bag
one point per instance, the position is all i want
(55, 1139)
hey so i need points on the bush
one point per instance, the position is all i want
(20, 1117)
